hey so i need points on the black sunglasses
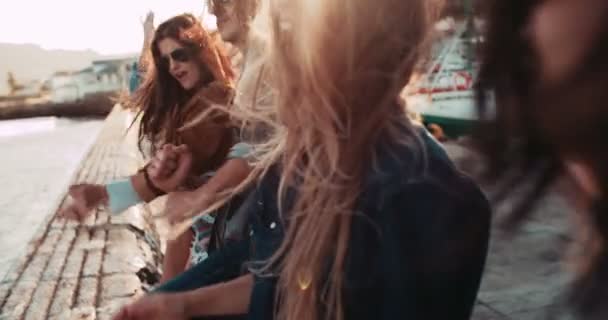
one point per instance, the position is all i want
(178, 55)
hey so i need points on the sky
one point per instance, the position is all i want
(105, 26)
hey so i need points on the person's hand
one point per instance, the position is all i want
(148, 25)
(164, 162)
(84, 198)
(170, 167)
(156, 306)
(148, 22)
(184, 204)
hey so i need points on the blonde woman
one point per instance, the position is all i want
(358, 213)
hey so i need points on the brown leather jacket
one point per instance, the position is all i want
(208, 133)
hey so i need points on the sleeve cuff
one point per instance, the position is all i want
(240, 150)
(121, 196)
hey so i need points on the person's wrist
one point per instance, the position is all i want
(176, 302)
(138, 181)
(191, 304)
(103, 194)
(201, 199)
(150, 184)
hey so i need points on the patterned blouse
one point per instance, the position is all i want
(203, 224)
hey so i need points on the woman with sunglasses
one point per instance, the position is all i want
(188, 75)
(229, 247)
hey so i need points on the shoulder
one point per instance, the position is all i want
(219, 93)
(445, 224)
(432, 206)
(437, 193)
(417, 173)
(431, 201)
(197, 113)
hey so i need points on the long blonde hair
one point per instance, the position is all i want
(337, 68)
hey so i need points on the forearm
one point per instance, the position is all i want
(229, 176)
(176, 257)
(145, 51)
(228, 298)
(138, 181)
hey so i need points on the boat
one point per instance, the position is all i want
(443, 95)
(442, 92)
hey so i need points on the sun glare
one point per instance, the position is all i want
(108, 27)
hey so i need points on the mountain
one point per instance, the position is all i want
(31, 62)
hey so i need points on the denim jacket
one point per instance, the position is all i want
(418, 250)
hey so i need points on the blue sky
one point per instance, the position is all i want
(108, 26)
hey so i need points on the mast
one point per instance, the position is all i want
(469, 34)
